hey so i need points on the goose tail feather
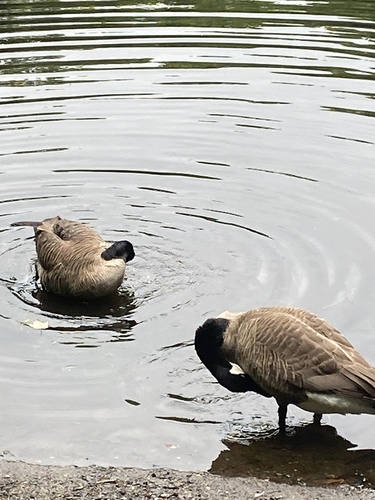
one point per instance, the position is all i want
(28, 223)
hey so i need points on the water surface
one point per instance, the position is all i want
(233, 144)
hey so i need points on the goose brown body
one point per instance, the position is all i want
(294, 356)
(72, 259)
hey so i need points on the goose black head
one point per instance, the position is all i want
(208, 341)
(210, 336)
(119, 250)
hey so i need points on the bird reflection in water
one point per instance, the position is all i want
(314, 455)
(118, 304)
(111, 316)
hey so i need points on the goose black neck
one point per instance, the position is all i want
(208, 342)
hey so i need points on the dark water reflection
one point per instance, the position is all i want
(316, 456)
(117, 305)
(232, 143)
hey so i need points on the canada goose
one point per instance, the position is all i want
(74, 261)
(289, 354)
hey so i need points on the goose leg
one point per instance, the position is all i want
(317, 418)
(282, 417)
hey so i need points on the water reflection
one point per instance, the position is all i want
(290, 458)
(120, 304)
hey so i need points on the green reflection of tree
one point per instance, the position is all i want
(360, 9)
(40, 25)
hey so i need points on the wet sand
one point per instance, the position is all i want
(21, 481)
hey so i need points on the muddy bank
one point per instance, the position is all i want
(20, 481)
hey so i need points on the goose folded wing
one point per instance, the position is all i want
(319, 324)
(286, 354)
(49, 248)
(76, 253)
(75, 231)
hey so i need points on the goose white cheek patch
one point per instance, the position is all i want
(236, 370)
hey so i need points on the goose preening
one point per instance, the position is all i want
(74, 261)
(289, 354)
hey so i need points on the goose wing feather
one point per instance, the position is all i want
(62, 242)
(287, 356)
(319, 324)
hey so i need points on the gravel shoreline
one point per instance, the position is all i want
(21, 481)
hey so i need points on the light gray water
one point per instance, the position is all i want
(232, 143)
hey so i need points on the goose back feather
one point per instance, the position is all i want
(74, 261)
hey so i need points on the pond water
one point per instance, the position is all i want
(232, 142)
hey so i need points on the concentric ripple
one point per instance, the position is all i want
(235, 150)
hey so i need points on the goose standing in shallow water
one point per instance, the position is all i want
(289, 354)
(74, 261)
